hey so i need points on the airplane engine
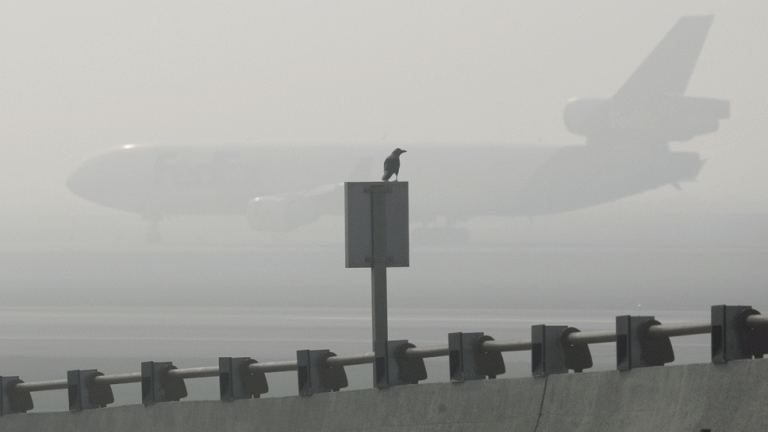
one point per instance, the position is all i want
(578, 111)
(280, 213)
(663, 118)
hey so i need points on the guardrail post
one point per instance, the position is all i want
(732, 338)
(468, 361)
(381, 364)
(634, 348)
(237, 381)
(84, 393)
(157, 386)
(315, 376)
(401, 368)
(552, 354)
(546, 356)
(14, 401)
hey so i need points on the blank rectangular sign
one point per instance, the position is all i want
(359, 229)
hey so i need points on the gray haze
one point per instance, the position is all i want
(77, 78)
(83, 77)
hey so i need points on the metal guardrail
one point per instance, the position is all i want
(118, 379)
(507, 346)
(351, 360)
(427, 352)
(756, 320)
(738, 332)
(199, 372)
(284, 366)
(687, 329)
(42, 386)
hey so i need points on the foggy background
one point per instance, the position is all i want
(80, 77)
(85, 76)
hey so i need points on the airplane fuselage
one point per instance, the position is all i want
(284, 186)
(455, 181)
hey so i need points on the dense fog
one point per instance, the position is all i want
(84, 77)
(81, 78)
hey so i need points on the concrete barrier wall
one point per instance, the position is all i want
(693, 398)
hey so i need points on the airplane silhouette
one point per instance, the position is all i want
(283, 187)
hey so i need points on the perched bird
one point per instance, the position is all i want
(392, 165)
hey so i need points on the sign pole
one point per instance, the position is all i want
(379, 284)
(376, 236)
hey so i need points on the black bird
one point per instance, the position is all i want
(392, 165)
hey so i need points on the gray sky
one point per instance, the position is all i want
(77, 77)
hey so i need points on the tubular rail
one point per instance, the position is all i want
(351, 360)
(282, 366)
(592, 337)
(757, 320)
(200, 372)
(118, 379)
(436, 351)
(684, 329)
(42, 386)
(504, 346)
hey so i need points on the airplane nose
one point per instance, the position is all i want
(85, 183)
(76, 183)
(72, 183)
(108, 179)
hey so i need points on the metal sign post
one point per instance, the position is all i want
(379, 269)
(377, 237)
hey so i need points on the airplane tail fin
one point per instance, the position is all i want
(651, 108)
(670, 65)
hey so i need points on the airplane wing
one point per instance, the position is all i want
(668, 68)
